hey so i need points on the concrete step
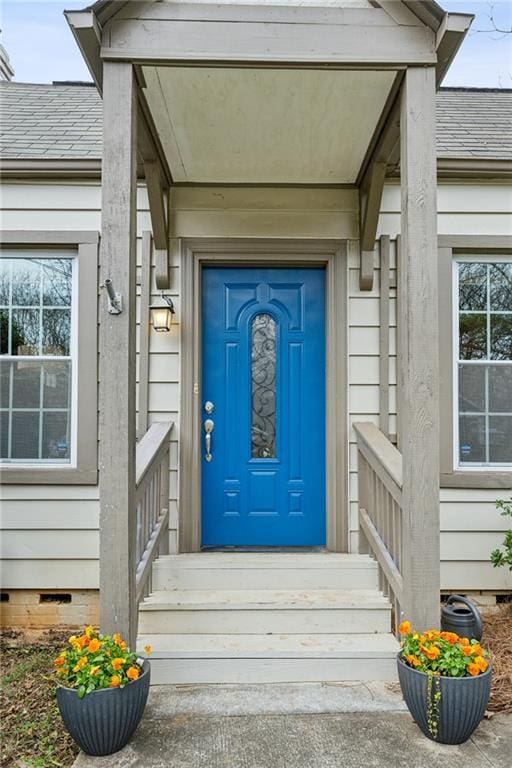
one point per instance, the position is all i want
(264, 611)
(264, 570)
(221, 658)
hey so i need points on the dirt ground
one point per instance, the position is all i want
(31, 731)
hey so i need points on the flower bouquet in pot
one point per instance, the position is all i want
(102, 689)
(445, 681)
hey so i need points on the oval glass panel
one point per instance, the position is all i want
(263, 383)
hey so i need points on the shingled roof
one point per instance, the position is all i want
(64, 121)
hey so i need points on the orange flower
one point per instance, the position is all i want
(116, 637)
(473, 669)
(115, 681)
(117, 664)
(132, 673)
(463, 641)
(82, 641)
(432, 653)
(147, 649)
(466, 650)
(94, 645)
(94, 671)
(450, 637)
(481, 663)
(476, 649)
(412, 660)
(405, 627)
(59, 662)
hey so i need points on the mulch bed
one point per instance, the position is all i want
(31, 730)
(498, 639)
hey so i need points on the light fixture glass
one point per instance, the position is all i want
(161, 315)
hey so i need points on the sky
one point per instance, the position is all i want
(42, 49)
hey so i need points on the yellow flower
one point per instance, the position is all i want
(94, 671)
(116, 637)
(80, 664)
(132, 673)
(147, 649)
(405, 627)
(89, 631)
(481, 663)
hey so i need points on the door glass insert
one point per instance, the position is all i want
(263, 382)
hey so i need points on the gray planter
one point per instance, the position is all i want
(104, 721)
(461, 707)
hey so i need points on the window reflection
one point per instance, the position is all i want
(35, 393)
(485, 367)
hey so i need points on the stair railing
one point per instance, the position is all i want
(380, 510)
(152, 503)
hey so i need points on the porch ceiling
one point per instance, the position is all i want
(265, 125)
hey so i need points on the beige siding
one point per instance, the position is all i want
(470, 524)
(50, 533)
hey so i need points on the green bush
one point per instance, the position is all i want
(503, 556)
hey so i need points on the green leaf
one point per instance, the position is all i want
(81, 692)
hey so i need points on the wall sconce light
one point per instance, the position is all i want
(162, 314)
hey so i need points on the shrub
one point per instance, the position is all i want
(503, 556)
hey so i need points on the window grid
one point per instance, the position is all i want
(488, 361)
(42, 410)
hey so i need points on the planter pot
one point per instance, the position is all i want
(104, 721)
(461, 706)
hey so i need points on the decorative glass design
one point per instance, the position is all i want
(35, 359)
(263, 377)
(484, 365)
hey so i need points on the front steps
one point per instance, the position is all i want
(267, 617)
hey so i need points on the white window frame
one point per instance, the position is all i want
(487, 258)
(47, 253)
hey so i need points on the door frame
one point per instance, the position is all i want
(258, 252)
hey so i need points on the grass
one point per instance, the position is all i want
(31, 730)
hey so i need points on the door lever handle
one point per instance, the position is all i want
(208, 428)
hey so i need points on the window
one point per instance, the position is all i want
(48, 357)
(263, 381)
(483, 362)
(36, 357)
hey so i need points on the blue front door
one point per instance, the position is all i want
(263, 407)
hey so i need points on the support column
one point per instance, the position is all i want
(418, 363)
(118, 609)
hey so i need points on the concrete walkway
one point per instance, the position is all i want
(351, 725)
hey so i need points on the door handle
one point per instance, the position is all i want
(208, 428)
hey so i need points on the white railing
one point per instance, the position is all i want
(380, 510)
(152, 502)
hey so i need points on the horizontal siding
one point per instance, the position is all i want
(471, 527)
(50, 533)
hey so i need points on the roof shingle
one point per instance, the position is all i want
(64, 121)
